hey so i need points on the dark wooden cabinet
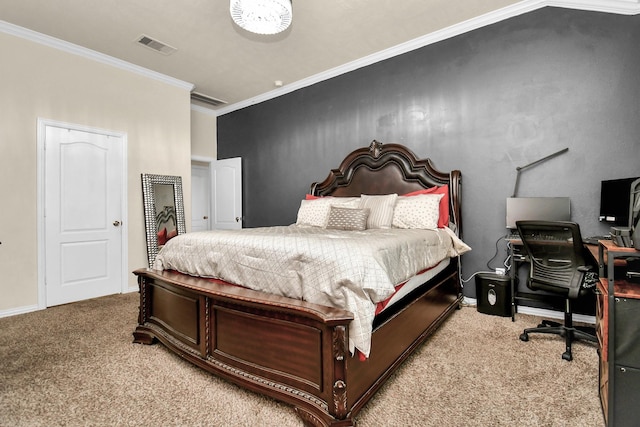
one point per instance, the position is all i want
(618, 330)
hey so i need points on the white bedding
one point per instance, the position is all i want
(413, 283)
(352, 270)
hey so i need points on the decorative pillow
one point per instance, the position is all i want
(421, 211)
(443, 220)
(347, 218)
(381, 209)
(162, 237)
(315, 212)
(171, 234)
(312, 212)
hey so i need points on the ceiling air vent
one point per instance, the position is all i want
(156, 45)
(195, 96)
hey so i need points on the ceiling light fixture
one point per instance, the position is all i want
(262, 16)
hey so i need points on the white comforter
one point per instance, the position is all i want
(352, 270)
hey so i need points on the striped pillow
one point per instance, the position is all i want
(381, 209)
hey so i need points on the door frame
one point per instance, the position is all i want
(209, 162)
(40, 194)
(203, 159)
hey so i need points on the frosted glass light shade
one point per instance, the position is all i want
(262, 16)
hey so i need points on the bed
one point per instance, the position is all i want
(302, 352)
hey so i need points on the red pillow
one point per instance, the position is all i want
(311, 197)
(443, 218)
(171, 234)
(162, 237)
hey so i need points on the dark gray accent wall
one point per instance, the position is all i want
(484, 102)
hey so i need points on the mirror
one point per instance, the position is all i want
(163, 211)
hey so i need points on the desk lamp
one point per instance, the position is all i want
(521, 168)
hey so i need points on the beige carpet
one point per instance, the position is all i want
(60, 368)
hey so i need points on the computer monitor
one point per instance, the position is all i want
(614, 201)
(537, 208)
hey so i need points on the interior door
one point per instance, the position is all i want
(227, 193)
(200, 197)
(83, 214)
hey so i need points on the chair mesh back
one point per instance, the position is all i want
(555, 252)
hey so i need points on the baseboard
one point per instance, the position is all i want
(470, 302)
(31, 308)
(19, 310)
(540, 312)
(552, 314)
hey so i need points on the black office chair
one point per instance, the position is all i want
(558, 265)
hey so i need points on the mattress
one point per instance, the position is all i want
(352, 270)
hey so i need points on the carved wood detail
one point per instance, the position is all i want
(375, 147)
(339, 343)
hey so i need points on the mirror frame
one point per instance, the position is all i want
(150, 212)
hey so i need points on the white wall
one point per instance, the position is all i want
(203, 132)
(42, 81)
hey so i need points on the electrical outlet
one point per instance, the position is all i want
(500, 271)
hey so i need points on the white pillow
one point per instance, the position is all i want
(420, 211)
(380, 209)
(315, 212)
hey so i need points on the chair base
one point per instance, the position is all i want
(570, 333)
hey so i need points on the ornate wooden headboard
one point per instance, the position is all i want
(386, 169)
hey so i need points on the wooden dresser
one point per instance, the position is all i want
(618, 331)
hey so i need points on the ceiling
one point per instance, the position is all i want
(228, 63)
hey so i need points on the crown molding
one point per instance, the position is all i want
(623, 7)
(203, 110)
(74, 49)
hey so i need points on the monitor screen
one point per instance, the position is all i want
(537, 208)
(614, 201)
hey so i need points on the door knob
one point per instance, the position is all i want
(205, 217)
(116, 223)
(237, 219)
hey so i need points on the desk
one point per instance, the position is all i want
(618, 331)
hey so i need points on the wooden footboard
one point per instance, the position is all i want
(290, 350)
(287, 349)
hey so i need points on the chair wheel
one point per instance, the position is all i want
(524, 336)
(567, 356)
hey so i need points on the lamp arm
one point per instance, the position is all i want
(527, 166)
(515, 187)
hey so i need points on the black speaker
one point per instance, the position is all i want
(493, 293)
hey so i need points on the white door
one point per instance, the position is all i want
(227, 193)
(200, 197)
(83, 214)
